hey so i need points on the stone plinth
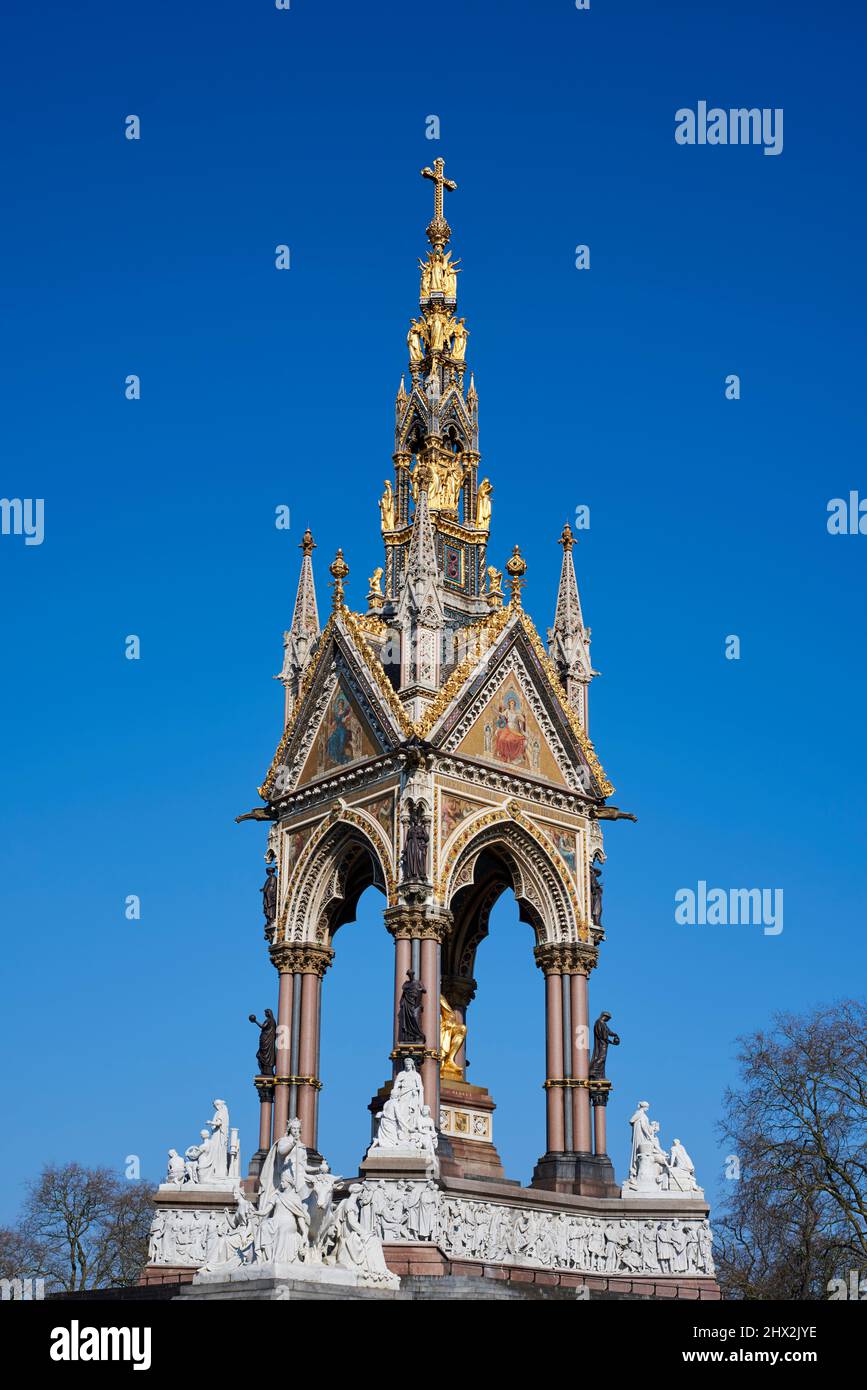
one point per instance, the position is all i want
(466, 1117)
(584, 1174)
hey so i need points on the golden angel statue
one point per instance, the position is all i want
(375, 583)
(414, 341)
(452, 1035)
(386, 507)
(424, 267)
(459, 346)
(483, 505)
(436, 331)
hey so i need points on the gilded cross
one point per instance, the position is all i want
(440, 182)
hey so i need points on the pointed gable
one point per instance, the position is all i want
(506, 706)
(346, 711)
(508, 733)
(342, 738)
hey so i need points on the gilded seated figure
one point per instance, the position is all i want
(452, 1035)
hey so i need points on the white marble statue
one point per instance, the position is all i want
(405, 1124)
(652, 1171)
(214, 1161)
(177, 1168)
(356, 1248)
(285, 1225)
(288, 1153)
(681, 1171)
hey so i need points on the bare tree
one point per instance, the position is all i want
(796, 1214)
(86, 1227)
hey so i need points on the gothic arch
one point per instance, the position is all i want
(494, 853)
(346, 855)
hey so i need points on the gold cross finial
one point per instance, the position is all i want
(439, 230)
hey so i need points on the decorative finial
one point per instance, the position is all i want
(438, 231)
(308, 544)
(339, 570)
(567, 540)
(516, 568)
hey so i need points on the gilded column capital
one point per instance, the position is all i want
(418, 922)
(565, 958)
(300, 958)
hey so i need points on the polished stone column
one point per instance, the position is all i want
(402, 967)
(297, 1081)
(556, 1129)
(580, 1062)
(281, 957)
(430, 978)
(266, 1108)
(599, 1092)
(418, 933)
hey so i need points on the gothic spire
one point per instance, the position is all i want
(303, 633)
(568, 639)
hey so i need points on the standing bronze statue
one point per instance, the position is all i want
(269, 896)
(596, 893)
(266, 1055)
(602, 1037)
(414, 857)
(409, 1011)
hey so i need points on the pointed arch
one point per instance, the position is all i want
(496, 851)
(347, 854)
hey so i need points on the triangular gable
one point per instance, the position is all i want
(508, 733)
(509, 710)
(346, 712)
(343, 737)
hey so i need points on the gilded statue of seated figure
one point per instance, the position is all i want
(452, 1034)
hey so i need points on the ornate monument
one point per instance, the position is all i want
(435, 747)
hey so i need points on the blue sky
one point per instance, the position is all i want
(602, 388)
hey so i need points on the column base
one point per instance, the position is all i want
(256, 1162)
(584, 1174)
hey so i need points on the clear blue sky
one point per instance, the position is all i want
(602, 388)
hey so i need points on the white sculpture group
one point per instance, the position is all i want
(405, 1125)
(652, 1171)
(295, 1229)
(213, 1162)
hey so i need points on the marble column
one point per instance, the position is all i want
(307, 1050)
(580, 1062)
(281, 956)
(430, 978)
(402, 966)
(600, 1140)
(556, 1130)
(418, 933)
(301, 969)
(266, 1110)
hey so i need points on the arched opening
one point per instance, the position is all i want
(356, 1029)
